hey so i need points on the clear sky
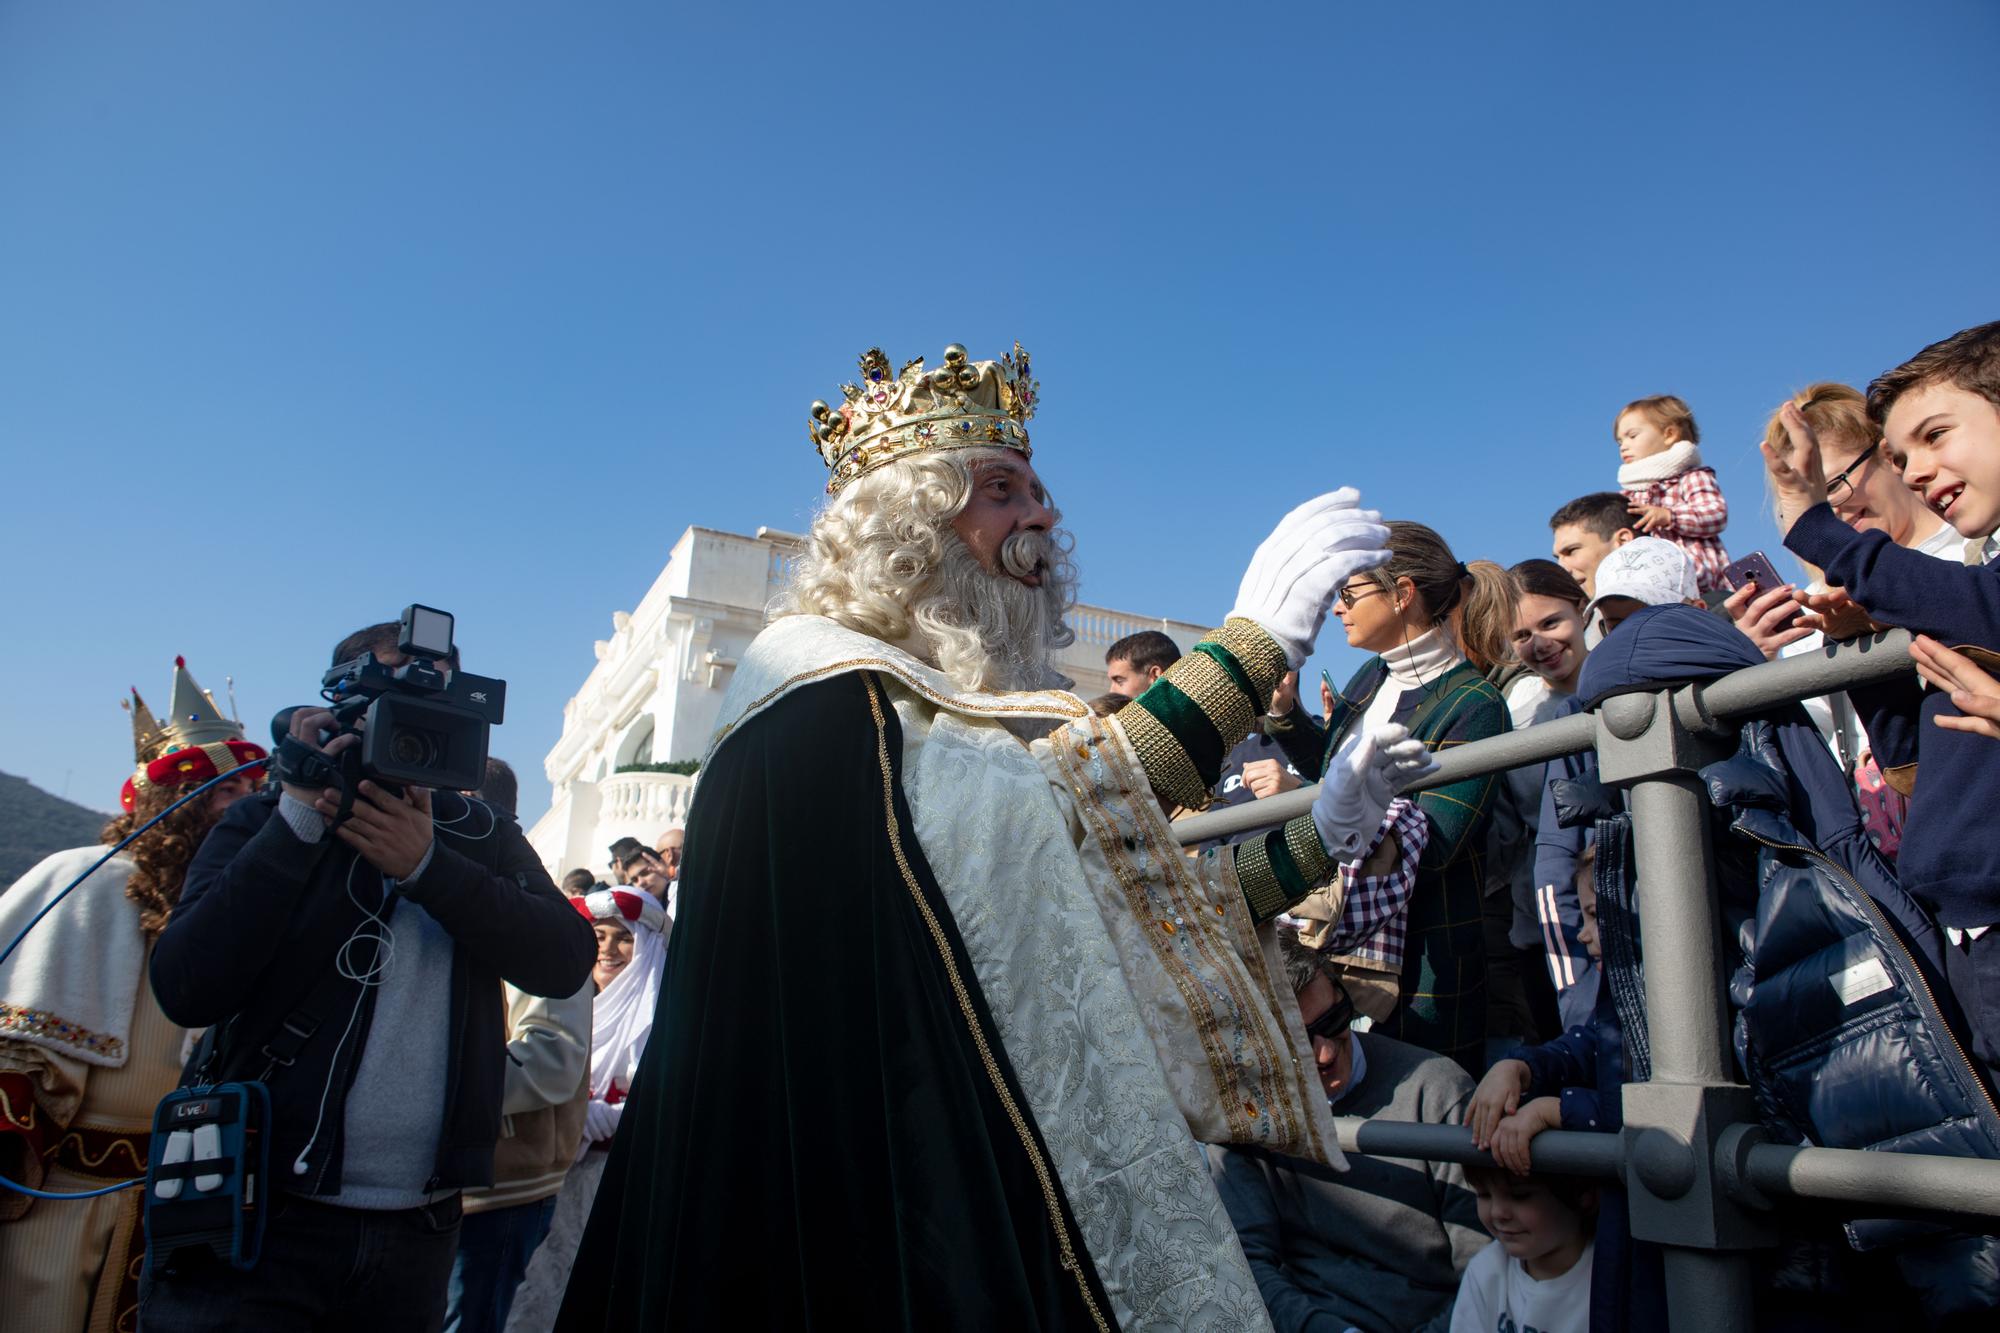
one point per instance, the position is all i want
(311, 310)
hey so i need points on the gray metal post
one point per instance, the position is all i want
(1653, 745)
(1685, 1019)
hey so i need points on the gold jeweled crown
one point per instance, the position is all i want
(961, 405)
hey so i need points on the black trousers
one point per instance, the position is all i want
(325, 1269)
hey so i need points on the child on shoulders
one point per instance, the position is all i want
(1671, 494)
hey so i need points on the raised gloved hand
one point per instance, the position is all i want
(600, 1119)
(1360, 783)
(1313, 551)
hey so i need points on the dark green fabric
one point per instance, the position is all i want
(1443, 1005)
(1225, 659)
(812, 1141)
(1191, 727)
(1302, 737)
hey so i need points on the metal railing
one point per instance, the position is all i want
(1701, 1180)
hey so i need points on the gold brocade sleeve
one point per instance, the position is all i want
(1184, 726)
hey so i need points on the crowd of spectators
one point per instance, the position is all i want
(1515, 960)
(1499, 989)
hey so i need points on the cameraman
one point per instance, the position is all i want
(302, 944)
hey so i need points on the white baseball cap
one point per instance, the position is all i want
(1651, 570)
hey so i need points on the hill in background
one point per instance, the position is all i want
(34, 823)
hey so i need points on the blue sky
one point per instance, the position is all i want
(309, 311)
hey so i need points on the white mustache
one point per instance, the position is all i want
(1026, 553)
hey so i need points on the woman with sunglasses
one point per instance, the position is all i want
(1436, 627)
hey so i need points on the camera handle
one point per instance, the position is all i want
(302, 765)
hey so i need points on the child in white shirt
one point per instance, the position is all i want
(1535, 1276)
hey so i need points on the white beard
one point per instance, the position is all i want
(1015, 629)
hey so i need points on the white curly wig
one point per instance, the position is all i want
(883, 560)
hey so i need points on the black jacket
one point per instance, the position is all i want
(253, 942)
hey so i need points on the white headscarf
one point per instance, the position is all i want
(622, 1016)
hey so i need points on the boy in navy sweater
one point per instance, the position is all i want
(1940, 417)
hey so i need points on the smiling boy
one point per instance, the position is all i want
(1940, 416)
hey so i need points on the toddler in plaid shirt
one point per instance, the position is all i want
(1672, 495)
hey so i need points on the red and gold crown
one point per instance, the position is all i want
(890, 415)
(195, 743)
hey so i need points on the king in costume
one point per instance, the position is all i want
(949, 1012)
(85, 1053)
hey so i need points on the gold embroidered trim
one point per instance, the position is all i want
(1256, 652)
(1177, 914)
(1304, 1083)
(1052, 1200)
(1186, 892)
(1054, 703)
(41, 1025)
(74, 1152)
(1168, 769)
(1202, 679)
(1308, 852)
(1261, 889)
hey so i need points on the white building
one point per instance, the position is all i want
(658, 683)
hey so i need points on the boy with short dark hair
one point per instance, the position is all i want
(1536, 1273)
(1586, 530)
(1940, 415)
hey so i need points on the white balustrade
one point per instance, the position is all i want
(633, 802)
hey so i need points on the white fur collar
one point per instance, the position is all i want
(1679, 457)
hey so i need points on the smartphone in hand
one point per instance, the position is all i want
(1757, 568)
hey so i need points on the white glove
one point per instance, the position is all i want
(600, 1119)
(1313, 551)
(1360, 783)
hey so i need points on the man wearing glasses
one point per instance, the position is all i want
(1383, 1244)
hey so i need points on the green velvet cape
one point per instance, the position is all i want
(813, 1139)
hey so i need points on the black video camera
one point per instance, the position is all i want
(420, 723)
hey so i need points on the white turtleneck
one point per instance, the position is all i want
(1412, 666)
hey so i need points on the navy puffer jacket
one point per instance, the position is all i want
(1844, 1029)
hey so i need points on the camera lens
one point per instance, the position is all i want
(413, 748)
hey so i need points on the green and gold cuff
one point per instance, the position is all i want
(1188, 720)
(1281, 867)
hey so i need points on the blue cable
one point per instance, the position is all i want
(15, 943)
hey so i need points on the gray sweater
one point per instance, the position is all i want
(395, 1106)
(1378, 1247)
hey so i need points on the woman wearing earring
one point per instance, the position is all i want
(1436, 626)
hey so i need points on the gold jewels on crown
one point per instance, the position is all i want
(893, 414)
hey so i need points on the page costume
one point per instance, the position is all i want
(86, 1053)
(947, 1012)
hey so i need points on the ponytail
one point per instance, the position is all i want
(1486, 615)
(1476, 601)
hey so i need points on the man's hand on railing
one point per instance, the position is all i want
(1973, 692)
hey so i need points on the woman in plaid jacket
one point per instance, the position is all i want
(1436, 627)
